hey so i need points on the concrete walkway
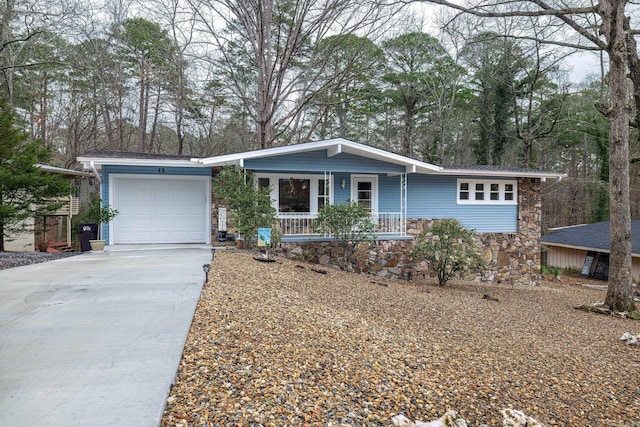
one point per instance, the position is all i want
(96, 339)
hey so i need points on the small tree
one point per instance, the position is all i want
(25, 191)
(99, 213)
(449, 248)
(349, 223)
(250, 206)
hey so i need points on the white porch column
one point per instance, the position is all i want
(403, 204)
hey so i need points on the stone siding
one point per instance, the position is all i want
(512, 258)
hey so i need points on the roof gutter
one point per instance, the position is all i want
(504, 174)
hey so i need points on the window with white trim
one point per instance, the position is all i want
(486, 192)
(296, 193)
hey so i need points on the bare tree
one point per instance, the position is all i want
(282, 43)
(603, 26)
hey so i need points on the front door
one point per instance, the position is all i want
(364, 190)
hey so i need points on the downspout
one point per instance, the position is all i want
(95, 171)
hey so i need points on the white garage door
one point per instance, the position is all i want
(159, 210)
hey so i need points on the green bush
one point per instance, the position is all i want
(348, 223)
(449, 248)
(99, 213)
(250, 206)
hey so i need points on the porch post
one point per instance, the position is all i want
(403, 204)
(328, 186)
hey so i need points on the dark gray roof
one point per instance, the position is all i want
(128, 155)
(592, 236)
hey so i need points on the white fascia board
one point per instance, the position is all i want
(100, 161)
(385, 156)
(506, 174)
(333, 147)
(237, 158)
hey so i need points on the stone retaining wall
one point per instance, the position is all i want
(511, 258)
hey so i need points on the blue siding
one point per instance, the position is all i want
(341, 195)
(317, 161)
(141, 170)
(389, 193)
(430, 196)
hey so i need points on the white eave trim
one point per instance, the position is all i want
(98, 162)
(506, 174)
(333, 148)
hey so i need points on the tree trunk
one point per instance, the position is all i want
(44, 110)
(634, 70)
(619, 292)
(143, 105)
(265, 73)
(154, 124)
(1, 229)
(5, 34)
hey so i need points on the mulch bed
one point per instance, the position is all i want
(279, 344)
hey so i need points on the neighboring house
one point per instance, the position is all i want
(167, 199)
(53, 231)
(585, 248)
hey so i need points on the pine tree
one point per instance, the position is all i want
(24, 188)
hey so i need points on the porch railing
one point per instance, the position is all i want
(296, 223)
(299, 223)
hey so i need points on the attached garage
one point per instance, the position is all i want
(161, 199)
(159, 209)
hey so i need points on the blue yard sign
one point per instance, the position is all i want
(264, 237)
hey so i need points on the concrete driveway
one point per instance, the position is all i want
(96, 339)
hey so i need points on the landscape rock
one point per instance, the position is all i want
(277, 344)
(449, 419)
(401, 421)
(629, 339)
(18, 259)
(515, 418)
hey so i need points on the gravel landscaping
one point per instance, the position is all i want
(17, 259)
(282, 344)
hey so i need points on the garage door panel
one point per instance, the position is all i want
(160, 210)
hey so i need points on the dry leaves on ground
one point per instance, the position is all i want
(280, 344)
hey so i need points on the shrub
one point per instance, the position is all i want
(349, 223)
(250, 206)
(449, 248)
(99, 213)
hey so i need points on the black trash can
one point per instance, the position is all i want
(87, 232)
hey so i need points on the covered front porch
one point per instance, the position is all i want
(304, 178)
(298, 197)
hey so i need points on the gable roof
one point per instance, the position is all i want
(333, 147)
(594, 237)
(337, 146)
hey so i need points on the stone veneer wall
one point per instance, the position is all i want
(512, 258)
